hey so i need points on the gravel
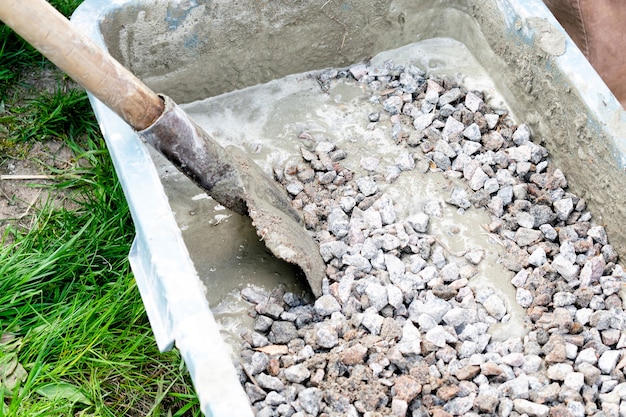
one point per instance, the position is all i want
(399, 330)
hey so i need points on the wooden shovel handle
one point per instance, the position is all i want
(77, 55)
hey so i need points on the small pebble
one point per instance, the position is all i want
(367, 186)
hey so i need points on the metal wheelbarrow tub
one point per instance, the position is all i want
(194, 49)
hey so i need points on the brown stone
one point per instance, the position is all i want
(592, 374)
(439, 412)
(354, 355)
(560, 411)
(317, 377)
(390, 330)
(563, 318)
(467, 372)
(545, 394)
(273, 367)
(421, 373)
(351, 334)
(576, 328)
(546, 321)
(583, 296)
(428, 400)
(535, 312)
(555, 349)
(613, 301)
(486, 403)
(372, 398)
(542, 299)
(578, 339)
(428, 347)
(610, 336)
(447, 392)
(515, 259)
(405, 388)
(490, 369)
(493, 141)
(444, 291)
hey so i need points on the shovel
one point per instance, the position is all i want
(228, 175)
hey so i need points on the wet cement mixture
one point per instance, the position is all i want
(416, 318)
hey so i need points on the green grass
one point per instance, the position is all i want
(74, 336)
(16, 55)
(64, 110)
(61, 114)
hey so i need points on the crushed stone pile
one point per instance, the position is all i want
(400, 331)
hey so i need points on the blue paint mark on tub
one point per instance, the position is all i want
(192, 41)
(176, 15)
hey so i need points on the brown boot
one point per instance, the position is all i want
(598, 27)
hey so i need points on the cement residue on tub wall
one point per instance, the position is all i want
(536, 82)
(287, 38)
(548, 37)
(581, 127)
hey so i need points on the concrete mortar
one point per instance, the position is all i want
(245, 44)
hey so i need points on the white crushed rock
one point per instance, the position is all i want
(398, 331)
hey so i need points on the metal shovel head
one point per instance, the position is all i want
(237, 182)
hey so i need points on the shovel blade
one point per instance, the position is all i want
(237, 182)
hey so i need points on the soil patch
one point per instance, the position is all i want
(25, 184)
(26, 175)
